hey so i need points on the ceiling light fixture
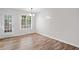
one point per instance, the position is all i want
(31, 12)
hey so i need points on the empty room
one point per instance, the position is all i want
(39, 29)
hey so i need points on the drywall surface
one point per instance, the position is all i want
(59, 23)
(16, 22)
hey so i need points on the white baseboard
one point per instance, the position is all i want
(52, 37)
(5, 36)
(59, 40)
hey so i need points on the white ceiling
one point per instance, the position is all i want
(34, 10)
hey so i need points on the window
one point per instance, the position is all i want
(26, 21)
(7, 23)
(23, 21)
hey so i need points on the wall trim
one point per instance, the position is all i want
(59, 39)
(17, 35)
(46, 36)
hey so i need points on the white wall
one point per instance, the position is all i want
(16, 20)
(61, 24)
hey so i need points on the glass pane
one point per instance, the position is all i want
(23, 21)
(7, 23)
(28, 21)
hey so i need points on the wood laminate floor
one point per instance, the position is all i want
(33, 42)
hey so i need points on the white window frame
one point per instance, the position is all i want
(26, 25)
(7, 23)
